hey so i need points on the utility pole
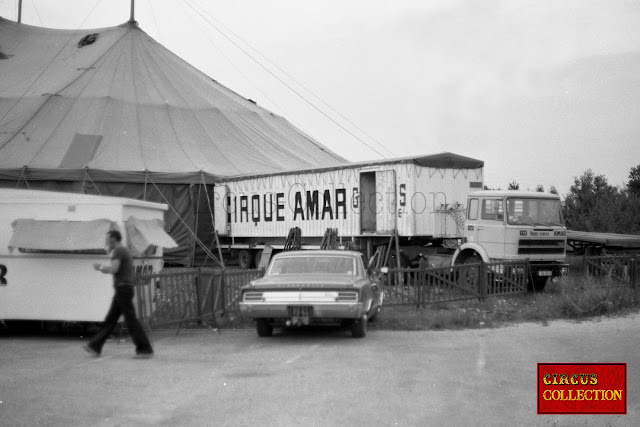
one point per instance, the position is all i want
(19, 10)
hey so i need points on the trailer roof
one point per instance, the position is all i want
(443, 160)
(57, 197)
(513, 193)
(608, 239)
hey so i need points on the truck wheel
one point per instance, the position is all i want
(469, 276)
(359, 328)
(263, 328)
(244, 259)
(537, 283)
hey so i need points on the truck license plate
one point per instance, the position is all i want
(544, 273)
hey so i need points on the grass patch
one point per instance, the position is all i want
(571, 298)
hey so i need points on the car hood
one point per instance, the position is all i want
(308, 281)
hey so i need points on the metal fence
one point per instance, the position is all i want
(623, 269)
(178, 296)
(420, 287)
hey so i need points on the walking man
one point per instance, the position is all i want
(121, 266)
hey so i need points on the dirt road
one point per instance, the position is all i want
(475, 377)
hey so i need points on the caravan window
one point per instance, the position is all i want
(60, 237)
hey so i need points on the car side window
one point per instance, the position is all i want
(472, 210)
(492, 209)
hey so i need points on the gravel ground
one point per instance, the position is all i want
(310, 377)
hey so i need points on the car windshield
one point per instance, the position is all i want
(534, 211)
(321, 265)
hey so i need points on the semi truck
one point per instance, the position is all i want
(434, 207)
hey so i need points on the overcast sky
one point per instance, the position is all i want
(539, 90)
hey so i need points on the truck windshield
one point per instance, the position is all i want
(321, 265)
(534, 211)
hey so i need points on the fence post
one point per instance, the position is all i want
(527, 269)
(482, 280)
(198, 282)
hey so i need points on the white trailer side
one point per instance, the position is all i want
(61, 284)
(415, 196)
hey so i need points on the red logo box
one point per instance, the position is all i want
(582, 388)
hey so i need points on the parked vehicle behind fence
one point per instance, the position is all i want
(314, 287)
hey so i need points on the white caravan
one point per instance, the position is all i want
(49, 242)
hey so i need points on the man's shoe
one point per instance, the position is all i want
(144, 355)
(93, 352)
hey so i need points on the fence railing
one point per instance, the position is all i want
(422, 286)
(190, 294)
(619, 268)
(196, 294)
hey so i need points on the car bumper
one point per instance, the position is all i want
(319, 311)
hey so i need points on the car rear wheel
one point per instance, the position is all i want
(359, 328)
(374, 316)
(263, 328)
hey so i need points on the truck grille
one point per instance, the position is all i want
(539, 246)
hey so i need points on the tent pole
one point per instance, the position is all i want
(133, 7)
(19, 11)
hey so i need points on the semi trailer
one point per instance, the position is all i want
(433, 208)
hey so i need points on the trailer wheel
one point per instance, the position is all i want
(256, 259)
(244, 259)
(263, 328)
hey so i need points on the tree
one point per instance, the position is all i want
(592, 204)
(513, 185)
(633, 186)
(553, 189)
(540, 188)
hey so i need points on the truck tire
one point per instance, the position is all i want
(359, 328)
(256, 259)
(263, 328)
(538, 283)
(469, 277)
(244, 259)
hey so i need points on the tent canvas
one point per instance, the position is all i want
(124, 116)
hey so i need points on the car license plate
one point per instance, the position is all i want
(301, 313)
(544, 273)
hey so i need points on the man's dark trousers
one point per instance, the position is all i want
(122, 304)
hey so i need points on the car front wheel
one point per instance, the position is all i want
(263, 328)
(359, 328)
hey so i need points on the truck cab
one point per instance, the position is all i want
(515, 225)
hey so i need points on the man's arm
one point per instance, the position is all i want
(111, 268)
